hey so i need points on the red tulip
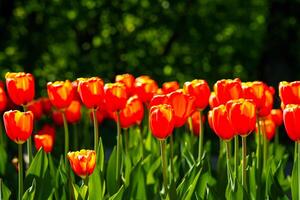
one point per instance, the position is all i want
(36, 108)
(169, 87)
(73, 112)
(91, 91)
(43, 141)
(145, 88)
(128, 81)
(18, 125)
(60, 93)
(213, 101)
(133, 112)
(195, 122)
(161, 121)
(242, 115)
(227, 89)
(267, 106)
(268, 126)
(289, 92)
(100, 115)
(83, 162)
(115, 96)
(221, 123)
(276, 115)
(158, 99)
(75, 89)
(57, 117)
(47, 105)
(47, 130)
(200, 90)
(20, 87)
(291, 118)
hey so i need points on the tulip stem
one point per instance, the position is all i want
(96, 131)
(265, 146)
(66, 137)
(298, 144)
(75, 128)
(236, 155)
(172, 156)
(229, 175)
(244, 176)
(258, 148)
(29, 142)
(86, 181)
(20, 174)
(126, 139)
(200, 147)
(164, 164)
(118, 145)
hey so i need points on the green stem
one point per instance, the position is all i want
(265, 146)
(244, 175)
(164, 164)
(52, 172)
(66, 137)
(229, 176)
(126, 139)
(141, 140)
(118, 146)
(96, 131)
(200, 147)
(29, 142)
(276, 137)
(258, 147)
(86, 181)
(20, 174)
(298, 144)
(75, 137)
(236, 155)
(295, 152)
(172, 156)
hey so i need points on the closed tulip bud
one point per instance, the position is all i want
(158, 99)
(200, 90)
(20, 87)
(36, 108)
(44, 141)
(228, 89)
(267, 106)
(137, 109)
(242, 116)
(145, 88)
(291, 118)
(60, 93)
(83, 162)
(18, 125)
(128, 81)
(91, 91)
(169, 87)
(276, 115)
(289, 92)
(161, 121)
(221, 124)
(115, 96)
(73, 112)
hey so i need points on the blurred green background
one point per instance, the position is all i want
(168, 40)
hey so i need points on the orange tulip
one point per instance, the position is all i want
(276, 115)
(169, 87)
(291, 118)
(228, 89)
(213, 101)
(221, 124)
(268, 126)
(83, 162)
(289, 92)
(145, 88)
(18, 125)
(91, 91)
(36, 108)
(73, 112)
(60, 93)
(115, 96)
(20, 87)
(133, 112)
(183, 106)
(161, 121)
(242, 116)
(44, 141)
(200, 90)
(128, 81)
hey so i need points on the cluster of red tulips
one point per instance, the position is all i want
(237, 109)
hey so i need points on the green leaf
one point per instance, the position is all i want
(138, 183)
(100, 155)
(96, 185)
(39, 164)
(294, 183)
(152, 169)
(30, 192)
(3, 156)
(112, 183)
(4, 191)
(61, 174)
(204, 182)
(191, 189)
(119, 194)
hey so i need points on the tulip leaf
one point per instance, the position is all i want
(137, 187)
(3, 156)
(4, 191)
(111, 177)
(96, 185)
(152, 169)
(100, 155)
(39, 164)
(119, 194)
(30, 192)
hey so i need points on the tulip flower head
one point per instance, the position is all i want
(36, 107)
(83, 162)
(20, 87)
(128, 81)
(213, 101)
(289, 92)
(169, 87)
(161, 121)
(115, 96)
(44, 141)
(145, 88)
(60, 93)
(73, 112)
(91, 91)
(228, 89)
(18, 125)
(268, 128)
(291, 118)
(276, 115)
(3, 99)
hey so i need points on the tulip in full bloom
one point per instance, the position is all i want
(20, 87)
(200, 90)
(169, 87)
(291, 119)
(44, 141)
(115, 96)
(242, 116)
(60, 93)
(18, 125)
(161, 121)
(91, 91)
(228, 89)
(83, 162)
